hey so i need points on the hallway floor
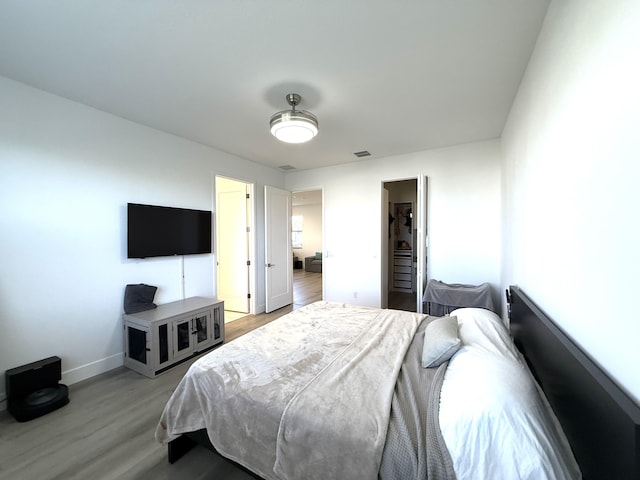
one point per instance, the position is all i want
(402, 301)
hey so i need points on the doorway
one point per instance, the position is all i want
(404, 242)
(307, 244)
(234, 246)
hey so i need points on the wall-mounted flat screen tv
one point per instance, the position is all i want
(155, 231)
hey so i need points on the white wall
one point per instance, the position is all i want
(572, 176)
(311, 230)
(463, 217)
(66, 174)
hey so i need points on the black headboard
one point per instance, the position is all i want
(601, 422)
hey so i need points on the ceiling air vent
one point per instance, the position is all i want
(286, 167)
(361, 154)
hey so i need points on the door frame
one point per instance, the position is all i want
(422, 237)
(322, 225)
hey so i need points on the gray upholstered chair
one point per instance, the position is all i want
(314, 263)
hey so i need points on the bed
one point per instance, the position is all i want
(385, 394)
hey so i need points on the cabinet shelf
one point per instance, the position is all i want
(156, 340)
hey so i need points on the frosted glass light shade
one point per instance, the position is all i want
(294, 126)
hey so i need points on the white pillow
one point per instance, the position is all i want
(440, 341)
(484, 329)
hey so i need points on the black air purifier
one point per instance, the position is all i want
(33, 389)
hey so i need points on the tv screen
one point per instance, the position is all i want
(154, 231)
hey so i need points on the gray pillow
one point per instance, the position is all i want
(139, 297)
(440, 341)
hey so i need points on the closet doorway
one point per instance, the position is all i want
(404, 242)
(234, 246)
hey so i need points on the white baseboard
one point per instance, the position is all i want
(92, 369)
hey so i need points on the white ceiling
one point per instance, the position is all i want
(390, 77)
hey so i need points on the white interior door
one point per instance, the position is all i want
(232, 244)
(422, 242)
(278, 254)
(384, 288)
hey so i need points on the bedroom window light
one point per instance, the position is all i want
(296, 231)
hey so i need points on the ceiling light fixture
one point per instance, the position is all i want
(294, 126)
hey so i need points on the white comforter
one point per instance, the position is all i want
(275, 397)
(495, 422)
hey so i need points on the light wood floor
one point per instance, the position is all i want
(107, 430)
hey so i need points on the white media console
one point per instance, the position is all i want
(156, 340)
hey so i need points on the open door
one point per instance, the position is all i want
(278, 253)
(384, 288)
(422, 243)
(232, 243)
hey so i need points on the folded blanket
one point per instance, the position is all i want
(414, 447)
(335, 427)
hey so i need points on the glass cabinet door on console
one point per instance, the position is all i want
(192, 334)
(181, 338)
(139, 342)
(202, 330)
(157, 339)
